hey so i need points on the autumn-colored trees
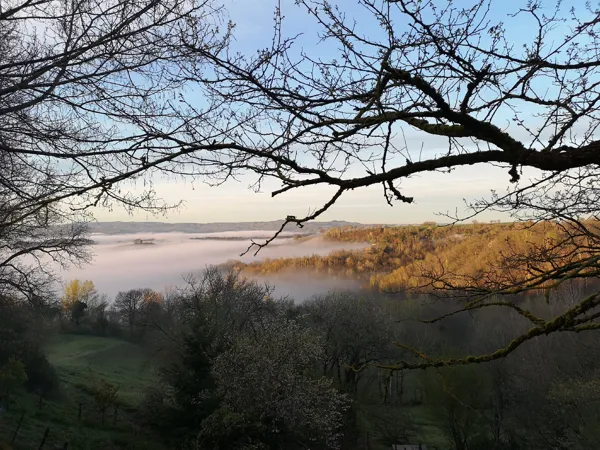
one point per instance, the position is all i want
(94, 313)
(77, 291)
(485, 265)
(429, 257)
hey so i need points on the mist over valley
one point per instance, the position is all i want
(159, 260)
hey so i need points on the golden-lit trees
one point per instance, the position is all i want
(474, 257)
(77, 297)
(77, 291)
(476, 263)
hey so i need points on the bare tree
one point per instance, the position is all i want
(29, 245)
(356, 332)
(133, 304)
(87, 90)
(450, 72)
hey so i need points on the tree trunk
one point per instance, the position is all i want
(350, 379)
(400, 390)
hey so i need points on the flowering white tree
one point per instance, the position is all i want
(267, 379)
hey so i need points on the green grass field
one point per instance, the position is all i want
(428, 429)
(81, 362)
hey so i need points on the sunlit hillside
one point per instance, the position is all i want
(495, 255)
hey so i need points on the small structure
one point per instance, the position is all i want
(143, 241)
(409, 447)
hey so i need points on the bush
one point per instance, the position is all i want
(100, 326)
(15, 341)
(41, 375)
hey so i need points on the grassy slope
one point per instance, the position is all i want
(427, 424)
(81, 361)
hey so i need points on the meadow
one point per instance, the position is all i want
(81, 362)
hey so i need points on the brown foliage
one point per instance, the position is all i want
(475, 257)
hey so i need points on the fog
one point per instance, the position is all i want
(119, 264)
(301, 286)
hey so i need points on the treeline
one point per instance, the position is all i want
(132, 314)
(241, 369)
(440, 257)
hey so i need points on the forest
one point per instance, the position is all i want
(233, 367)
(431, 257)
(221, 363)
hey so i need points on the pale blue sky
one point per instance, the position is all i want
(434, 193)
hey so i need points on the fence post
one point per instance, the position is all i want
(115, 414)
(12, 441)
(79, 413)
(44, 439)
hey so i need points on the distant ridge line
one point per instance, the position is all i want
(118, 227)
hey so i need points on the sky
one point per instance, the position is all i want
(434, 193)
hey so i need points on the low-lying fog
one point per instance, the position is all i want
(119, 264)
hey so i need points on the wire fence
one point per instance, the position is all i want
(47, 430)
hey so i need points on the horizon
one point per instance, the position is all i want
(242, 222)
